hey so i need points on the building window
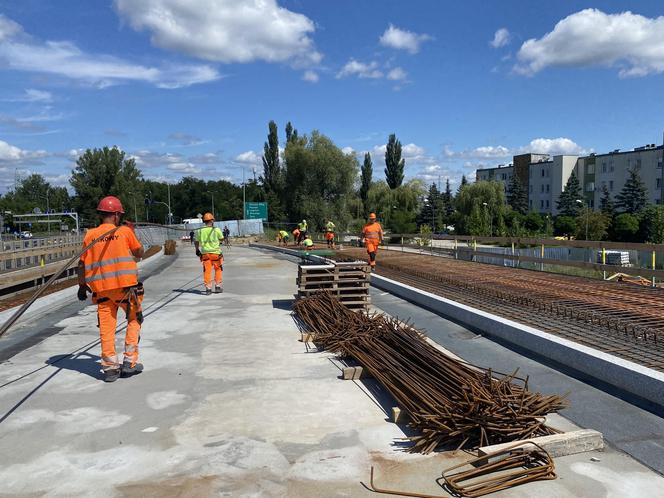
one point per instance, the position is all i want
(592, 203)
(590, 170)
(659, 162)
(542, 188)
(603, 167)
(541, 204)
(659, 183)
(611, 166)
(547, 188)
(590, 187)
(542, 172)
(638, 164)
(547, 204)
(610, 185)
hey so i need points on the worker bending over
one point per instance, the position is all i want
(372, 237)
(308, 243)
(283, 237)
(329, 233)
(296, 236)
(109, 270)
(208, 249)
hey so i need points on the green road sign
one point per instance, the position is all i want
(255, 211)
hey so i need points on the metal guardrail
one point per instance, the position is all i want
(21, 254)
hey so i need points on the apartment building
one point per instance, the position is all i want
(544, 177)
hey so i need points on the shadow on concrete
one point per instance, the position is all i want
(191, 290)
(84, 362)
(283, 304)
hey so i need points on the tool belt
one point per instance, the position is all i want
(211, 257)
(131, 297)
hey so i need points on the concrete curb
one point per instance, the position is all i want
(50, 302)
(625, 375)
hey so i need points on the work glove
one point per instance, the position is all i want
(198, 253)
(82, 293)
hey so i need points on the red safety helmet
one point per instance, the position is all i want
(110, 204)
(208, 217)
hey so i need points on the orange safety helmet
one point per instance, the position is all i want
(372, 216)
(208, 217)
(110, 204)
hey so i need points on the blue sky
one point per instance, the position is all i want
(187, 86)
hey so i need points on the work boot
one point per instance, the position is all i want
(111, 374)
(128, 370)
(218, 289)
(208, 291)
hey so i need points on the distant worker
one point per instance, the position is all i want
(372, 236)
(191, 237)
(208, 249)
(308, 243)
(329, 233)
(109, 270)
(296, 236)
(304, 228)
(227, 235)
(283, 237)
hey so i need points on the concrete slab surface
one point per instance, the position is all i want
(230, 404)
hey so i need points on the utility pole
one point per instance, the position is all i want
(170, 213)
(212, 196)
(48, 214)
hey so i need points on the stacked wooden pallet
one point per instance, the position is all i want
(347, 280)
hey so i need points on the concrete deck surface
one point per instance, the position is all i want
(230, 404)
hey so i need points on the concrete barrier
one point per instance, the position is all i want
(625, 375)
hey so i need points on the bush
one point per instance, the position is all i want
(625, 228)
(564, 226)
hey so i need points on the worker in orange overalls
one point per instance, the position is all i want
(372, 236)
(208, 249)
(109, 270)
(296, 236)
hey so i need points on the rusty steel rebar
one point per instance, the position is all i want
(451, 403)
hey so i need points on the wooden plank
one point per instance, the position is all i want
(566, 443)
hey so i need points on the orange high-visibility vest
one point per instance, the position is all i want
(109, 264)
(372, 231)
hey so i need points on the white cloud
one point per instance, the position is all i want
(224, 30)
(15, 155)
(310, 76)
(631, 42)
(397, 74)
(186, 168)
(554, 146)
(348, 150)
(501, 38)
(401, 39)
(65, 59)
(185, 139)
(360, 69)
(248, 157)
(32, 95)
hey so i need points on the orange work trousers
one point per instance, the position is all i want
(372, 249)
(108, 303)
(211, 261)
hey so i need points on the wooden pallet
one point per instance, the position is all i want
(348, 280)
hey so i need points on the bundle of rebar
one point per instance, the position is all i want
(450, 403)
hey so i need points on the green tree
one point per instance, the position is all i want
(289, 132)
(517, 197)
(567, 202)
(271, 178)
(652, 225)
(634, 195)
(431, 212)
(606, 204)
(448, 201)
(597, 225)
(365, 180)
(394, 163)
(533, 222)
(625, 228)
(565, 226)
(479, 207)
(319, 180)
(102, 172)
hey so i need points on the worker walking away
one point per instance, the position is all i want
(208, 249)
(296, 236)
(283, 237)
(329, 233)
(227, 235)
(191, 237)
(109, 270)
(372, 237)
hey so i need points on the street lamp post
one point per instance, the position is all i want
(212, 196)
(133, 197)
